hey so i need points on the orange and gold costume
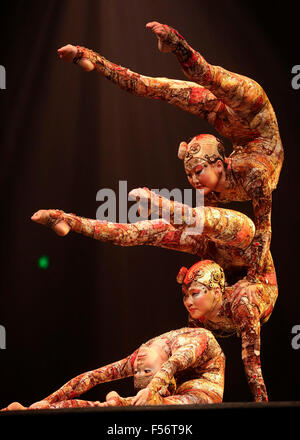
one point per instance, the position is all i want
(225, 237)
(196, 362)
(237, 107)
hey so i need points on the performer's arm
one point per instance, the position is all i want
(254, 177)
(252, 363)
(239, 92)
(84, 382)
(258, 251)
(188, 96)
(245, 309)
(78, 403)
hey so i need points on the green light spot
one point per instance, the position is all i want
(43, 262)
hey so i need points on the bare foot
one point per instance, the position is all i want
(69, 52)
(142, 196)
(42, 404)
(15, 406)
(52, 219)
(167, 39)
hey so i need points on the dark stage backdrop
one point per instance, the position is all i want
(66, 134)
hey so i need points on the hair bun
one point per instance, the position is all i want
(182, 149)
(181, 275)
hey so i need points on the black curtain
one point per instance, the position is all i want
(66, 134)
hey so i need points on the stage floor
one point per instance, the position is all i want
(189, 421)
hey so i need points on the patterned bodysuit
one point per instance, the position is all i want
(238, 109)
(225, 237)
(196, 362)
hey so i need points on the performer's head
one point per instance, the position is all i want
(150, 358)
(204, 162)
(203, 286)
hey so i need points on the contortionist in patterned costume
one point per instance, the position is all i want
(238, 109)
(225, 237)
(184, 366)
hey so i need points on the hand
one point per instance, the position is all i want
(245, 289)
(52, 218)
(167, 37)
(42, 404)
(143, 397)
(112, 399)
(69, 52)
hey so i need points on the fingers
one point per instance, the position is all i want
(134, 400)
(142, 397)
(139, 401)
(245, 292)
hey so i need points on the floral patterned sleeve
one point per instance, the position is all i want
(246, 315)
(84, 382)
(253, 173)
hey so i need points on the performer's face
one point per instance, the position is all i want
(205, 176)
(198, 299)
(149, 360)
